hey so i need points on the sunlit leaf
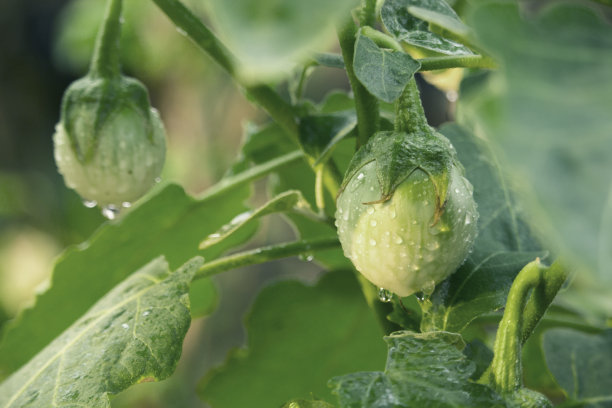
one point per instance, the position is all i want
(134, 333)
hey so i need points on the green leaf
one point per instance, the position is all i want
(133, 334)
(582, 364)
(549, 112)
(503, 246)
(287, 201)
(330, 60)
(443, 17)
(321, 133)
(270, 36)
(170, 223)
(423, 369)
(401, 24)
(267, 142)
(384, 73)
(299, 337)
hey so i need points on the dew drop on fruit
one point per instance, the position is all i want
(370, 210)
(373, 223)
(89, 203)
(373, 242)
(428, 288)
(384, 295)
(126, 204)
(110, 211)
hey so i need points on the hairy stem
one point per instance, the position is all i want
(542, 297)
(280, 110)
(105, 59)
(367, 14)
(366, 104)
(266, 97)
(254, 173)
(506, 368)
(265, 254)
(381, 39)
(466, 61)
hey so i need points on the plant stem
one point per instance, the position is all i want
(381, 39)
(506, 367)
(409, 113)
(105, 59)
(542, 297)
(366, 105)
(280, 110)
(266, 97)
(253, 173)
(265, 254)
(367, 14)
(471, 61)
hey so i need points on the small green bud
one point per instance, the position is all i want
(109, 144)
(406, 216)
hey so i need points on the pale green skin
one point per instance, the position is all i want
(126, 162)
(395, 244)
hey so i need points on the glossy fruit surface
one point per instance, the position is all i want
(406, 244)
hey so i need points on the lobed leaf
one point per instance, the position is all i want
(133, 334)
(269, 37)
(384, 73)
(548, 110)
(503, 246)
(287, 201)
(299, 337)
(404, 26)
(423, 369)
(582, 364)
(170, 223)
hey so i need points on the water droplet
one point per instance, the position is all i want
(125, 326)
(393, 213)
(360, 176)
(384, 295)
(416, 267)
(146, 313)
(306, 257)
(126, 204)
(457, 190)
(373, 242)
(428, 288)
(398, 240)
(158, 180)
(425, 202)
(370, 210)
(420, 296)
(414, 222)
(345, 217)
(110, 211)
(373, 223)
(434, 245)
(468, 220)
(89, 203)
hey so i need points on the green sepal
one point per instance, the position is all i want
(90, 101)
(399, 154)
